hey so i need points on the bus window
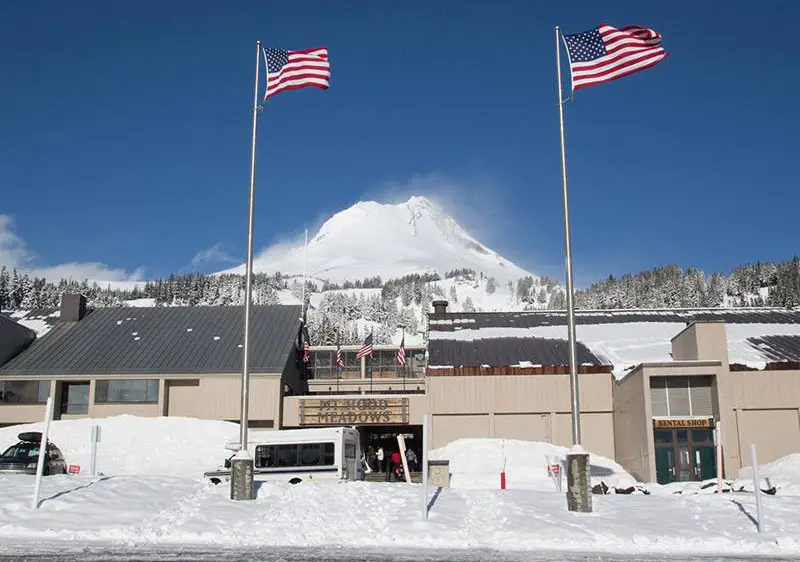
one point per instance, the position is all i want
(349, 451)
(263, 456)
(289, 455)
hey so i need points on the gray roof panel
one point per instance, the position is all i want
(474, 320)
(162, 340)
(506, 351)
(778, 348)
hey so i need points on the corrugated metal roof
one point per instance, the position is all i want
(778, 348)
(449, 321)
(162, 340)
(507, 351)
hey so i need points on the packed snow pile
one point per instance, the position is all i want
(783, 473)
(476, 464)
(144, 511)
(168, 446)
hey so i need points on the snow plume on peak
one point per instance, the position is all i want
(390, 240)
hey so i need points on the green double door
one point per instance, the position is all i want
(684, 454)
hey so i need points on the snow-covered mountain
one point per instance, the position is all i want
(371, 239)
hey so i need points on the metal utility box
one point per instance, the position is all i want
(439, 473)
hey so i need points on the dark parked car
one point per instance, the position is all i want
(23, 457)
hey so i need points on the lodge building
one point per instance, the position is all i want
(654, 384)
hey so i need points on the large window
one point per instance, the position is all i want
(294, 455)
(126, 391)
(75, 398)
(24, 392)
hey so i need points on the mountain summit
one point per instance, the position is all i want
(370, 239)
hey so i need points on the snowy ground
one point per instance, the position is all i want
(132, 505)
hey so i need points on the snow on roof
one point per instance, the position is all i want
(626, 345)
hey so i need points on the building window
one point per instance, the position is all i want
(129, 391)
(75, 398)
(24, 392)
(681, 396)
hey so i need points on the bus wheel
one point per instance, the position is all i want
(295, 481)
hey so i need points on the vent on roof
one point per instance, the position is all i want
(439, 307)
(73, 307)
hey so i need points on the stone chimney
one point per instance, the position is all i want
(439, 307)
(73, 307)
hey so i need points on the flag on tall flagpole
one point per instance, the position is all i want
(306, 345)
(606, 53)
(290, 70)
(366, 347)
(401, 352)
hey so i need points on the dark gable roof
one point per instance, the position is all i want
(13, 338)
(449, 322)
(162, 340)
(506, 351)
(778, 348)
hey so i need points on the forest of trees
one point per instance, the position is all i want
(338, 316)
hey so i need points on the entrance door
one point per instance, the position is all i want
(684, 455)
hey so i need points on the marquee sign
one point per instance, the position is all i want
(353, 411)
(687, 423)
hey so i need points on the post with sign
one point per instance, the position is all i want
(42, 451)
(425, 467)
(718, 436)
(95, 439)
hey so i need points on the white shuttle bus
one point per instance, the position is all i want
(298, 455)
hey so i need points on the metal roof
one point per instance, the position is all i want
(778, 348)
(507, 351)
(473, 320)
(162, 340)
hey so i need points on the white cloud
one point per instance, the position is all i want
(214, 254)
(15, 254)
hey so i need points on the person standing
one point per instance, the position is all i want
(379, 456)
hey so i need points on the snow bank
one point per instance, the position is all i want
(476, 465)
(145, 511)
(169, 446)
(783, 473)
(151, 494)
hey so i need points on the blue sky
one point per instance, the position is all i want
(125, 131)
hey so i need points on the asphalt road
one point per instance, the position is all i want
(46, 553)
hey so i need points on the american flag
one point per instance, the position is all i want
(401, 352)
(339, 358)
(366, 348)
(306, 344)
(290, 70)
(605, 53)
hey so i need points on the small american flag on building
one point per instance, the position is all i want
(339, 358)
(605, 53)
(290, 70)
(401, 352)
(366, 348)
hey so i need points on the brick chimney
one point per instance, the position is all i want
(73, 307)
(439, 307)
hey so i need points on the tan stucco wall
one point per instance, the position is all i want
(528, 407)
(516, 393)
(632, 432)
(13, 414)
(219, 398)
(141, 410)
(765, 410)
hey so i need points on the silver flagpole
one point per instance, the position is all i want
(242, 479)
(573, 373)
(578, 494)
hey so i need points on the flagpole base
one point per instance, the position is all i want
(242, 485)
